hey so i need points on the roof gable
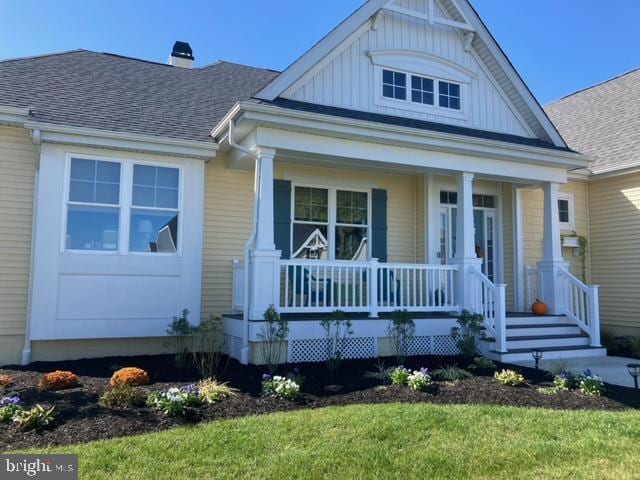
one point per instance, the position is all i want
(456, 23)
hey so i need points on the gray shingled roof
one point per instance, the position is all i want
(104, 91)
(603, 121)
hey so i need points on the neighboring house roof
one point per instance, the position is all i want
(603, 121)
(110, 92)
(411, 123)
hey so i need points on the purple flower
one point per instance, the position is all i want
(266, 377)
(6, 401)
(587, 373)
(190, 389)
(424, 370)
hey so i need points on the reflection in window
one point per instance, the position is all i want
(351, 225)
(311, 220)
(153, 231)
(92, 228)
(91, 223)
(155, 186)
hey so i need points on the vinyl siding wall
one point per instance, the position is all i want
(18, 160)
(614, 206)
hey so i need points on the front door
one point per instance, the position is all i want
(485, 235)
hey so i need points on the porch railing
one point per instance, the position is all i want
(489, 300)
(373, 287)
(580, 303)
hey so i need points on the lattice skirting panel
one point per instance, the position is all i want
(316, 350)
(233, 346)
(433, 345)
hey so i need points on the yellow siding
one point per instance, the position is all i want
(508, 251)
(533, 214)
(614, 206)
(18, 159)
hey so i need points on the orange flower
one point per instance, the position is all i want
(130, 376)
(58, 380)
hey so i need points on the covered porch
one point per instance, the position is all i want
(328, 233)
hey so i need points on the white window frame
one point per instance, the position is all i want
(125, 205)
(571, 224)
(332, 219)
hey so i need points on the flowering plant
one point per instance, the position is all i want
(590, 383)
(9, 408)
(280, 387)
(509, 377)
(175, 401)
(58, 380)
(419, 379)
(399, 375)
(131, 376)
(564, 381)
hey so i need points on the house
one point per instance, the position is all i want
(400, 163)
(604, 122)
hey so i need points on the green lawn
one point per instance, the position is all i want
(383, 441)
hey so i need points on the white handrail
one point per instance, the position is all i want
(580, 303)
(489, 300)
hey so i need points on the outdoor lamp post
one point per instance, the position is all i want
(634, 371)
(537, 355)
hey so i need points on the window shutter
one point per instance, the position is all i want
(282, 216)
(379, 224)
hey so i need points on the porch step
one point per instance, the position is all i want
(544, 341)
(549, 353)
(543, 329)
(536, 320)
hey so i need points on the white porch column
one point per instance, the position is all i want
(264, 274)
(552, 260)
(465, 256)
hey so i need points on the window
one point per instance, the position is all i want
(422, 90)
(154, 212)
(479, 201)
(566, 211)
(96, 204)
(394, 85)
(449, 95)
(93, 212)
(330, 224)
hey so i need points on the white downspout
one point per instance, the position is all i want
(247, 246)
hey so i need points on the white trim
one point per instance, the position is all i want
(63, 134)
(13, 116)
(571, 224)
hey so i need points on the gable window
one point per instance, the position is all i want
(97, 207)
(566, 215)
(93, 209)
(330, 224)
(449, 95)
(394, 85)
(422, 90)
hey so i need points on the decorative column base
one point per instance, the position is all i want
(549, 290)
(264, 281)
(465, 289)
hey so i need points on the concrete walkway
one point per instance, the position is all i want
(611, 369)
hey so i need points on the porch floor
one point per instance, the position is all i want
(296, 317)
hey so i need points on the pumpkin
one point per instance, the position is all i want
(539, 308)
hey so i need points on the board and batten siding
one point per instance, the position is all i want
(614, 208)
(18, 160)
(229, 207)
(532, 226)
(346, 77)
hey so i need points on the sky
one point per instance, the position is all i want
(558, 46)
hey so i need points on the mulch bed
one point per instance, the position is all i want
(81, 419)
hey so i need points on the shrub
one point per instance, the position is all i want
(182, 330)
(382, 373)
(467, 333)
(336, 330)
(58, 380)
(482, 363)
(213, 391)
(509, 377)
(451, 373)
(564, 381)
(559, 367)
(419, 379)
(35, 418)
(123, 396)
(131, 376)
(5, 381)
(175, 401)
(590, 384)
(280, 387)
(208, 351)
(401, 330)
(399, 375)
(273, 333)
(9, 408)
